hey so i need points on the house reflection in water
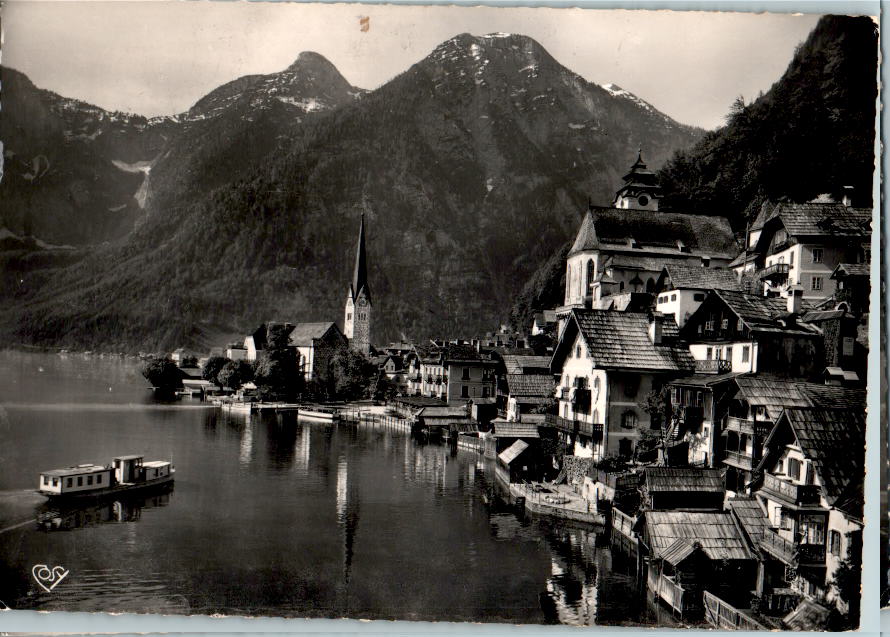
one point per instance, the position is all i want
(246, 449)
(347, 520)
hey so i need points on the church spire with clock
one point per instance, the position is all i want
(357, 324)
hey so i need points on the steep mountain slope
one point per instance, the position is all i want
(73, 171)
(811, 133)
(471, 167)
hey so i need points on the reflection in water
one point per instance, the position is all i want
(302, 450)
(246, 448)
(67, 517)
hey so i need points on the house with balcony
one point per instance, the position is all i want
(608, 362)
(811, 488)
(737, 332)
(681, 289)
(451, 371)
(801, 245)
(529, 396)
(753, 404)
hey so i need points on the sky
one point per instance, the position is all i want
(159, 57)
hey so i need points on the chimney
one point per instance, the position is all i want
(656, 320)
(848, 196)
(795, 298)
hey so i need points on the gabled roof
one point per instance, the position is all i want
(776, 394)
(821, 219)
(531, 385)
(834, 440)
(512, 452)
(444, 411)
(759, 313)
(454, 352)
(750, 515)
(698, 278)
(716, 533)
(304, 334)
(661, 479)
(517, 364)
(516, 430)
(851, 269)
(700, 234)
(620, 340)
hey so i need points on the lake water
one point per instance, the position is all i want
(276, 516)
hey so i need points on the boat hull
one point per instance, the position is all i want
(108, 492)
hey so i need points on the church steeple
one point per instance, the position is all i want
(357, 324)
(640, 189)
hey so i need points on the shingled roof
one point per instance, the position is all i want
(516, 364)
(304, 334)
(699, 278)
(750, 515)
(700, 234)
(531, 385)
(716, 533)
(851, 269)
(834, 440)
(620, 340)
(776, 394)
(660, 479)
(822, 219)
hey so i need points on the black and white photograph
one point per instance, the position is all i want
(500, 315)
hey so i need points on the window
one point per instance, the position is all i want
(485, 392)
(739, 325)
(848, 346)
(791, 258)
(817, 255)
(628, 420)
(464, 391)
(624, 447)
(631, 386)
(99, 479)
(69, 482)
(812, 528)
(80, 481)
(809, 474)
(724, 324)
(708, 353)
(746, 353)
(591, 273)
(698, 296)
(45, 480)
(728, 354)
(794, 468)
(577, 351)
(466, 373)
(699, 399)
(673, 297)
(834, 543)
(55, 482)
(349, 316)
(817, 283)
(89, 480)
(709, 326)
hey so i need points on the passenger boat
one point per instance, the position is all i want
(317, 412)
(125, 474)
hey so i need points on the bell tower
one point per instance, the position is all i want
(640, 189)
(357, 322)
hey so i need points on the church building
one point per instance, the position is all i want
(357, 323)
(621, 250)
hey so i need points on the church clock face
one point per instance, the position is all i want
(362, 302)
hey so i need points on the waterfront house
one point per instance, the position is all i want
(452, 371)
(317, 343)
(751, 407)
(669, 488)
(733, 331)
(608, 362)
(811, 486)
(681, 289)
(527, 394)
(802, 244)
(689, 552)
(393, 367)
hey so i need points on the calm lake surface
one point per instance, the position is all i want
(276, 516)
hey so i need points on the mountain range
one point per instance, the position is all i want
(472, 166)
(472, 169)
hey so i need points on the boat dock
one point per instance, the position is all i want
(555, 500)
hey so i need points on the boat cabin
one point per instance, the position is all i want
(155, 469)
(128, 469)
(84, 477)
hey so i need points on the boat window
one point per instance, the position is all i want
(69, 482)
(99, 479)
(89, 480)
(80, 481)
(45, 480)
(55, 482)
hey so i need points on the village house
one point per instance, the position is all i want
(669, 488)
(527, 395)
(811, 490)
(624, 248)
(681, 289)
(515, 364)
(317, 343)
(852, 287)
(802, 244)
(451, 371)
(393, 367)
(736, 332)
(544, 323)
(608, 362)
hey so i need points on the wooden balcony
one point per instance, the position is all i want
(775, 273)
(793, 553)
(671, 592)
(740, 460)
(726, 617)
(795, 494)
(574, 427)
(713, 367)
(750, 427)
